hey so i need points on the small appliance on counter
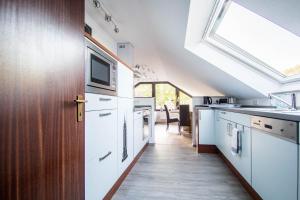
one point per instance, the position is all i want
(231, 100)
(221, 101)
(207, 100)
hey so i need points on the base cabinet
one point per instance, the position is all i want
(242, 161)
(100, 152)
(274, 167)
(138, 132)
(125, 133)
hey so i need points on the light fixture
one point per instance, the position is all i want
(107, 17)
(116, 29)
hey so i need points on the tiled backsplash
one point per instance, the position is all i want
(272, 102)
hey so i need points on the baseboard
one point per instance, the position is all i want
(207, 148)
(118, 183)
(243, 181)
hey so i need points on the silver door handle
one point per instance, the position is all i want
(102, 158)
(104, 99)
(104, 114)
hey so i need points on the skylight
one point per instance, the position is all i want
(257, 37)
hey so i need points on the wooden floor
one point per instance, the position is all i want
(172, 170)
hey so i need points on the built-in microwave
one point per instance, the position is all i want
(100, 71)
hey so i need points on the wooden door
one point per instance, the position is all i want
(41, 72)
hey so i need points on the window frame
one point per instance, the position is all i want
(177, 90)
(225, 47)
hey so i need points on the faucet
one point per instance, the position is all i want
(291, 106)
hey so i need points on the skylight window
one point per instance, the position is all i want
(259, 38)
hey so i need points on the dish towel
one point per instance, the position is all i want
(236, 142)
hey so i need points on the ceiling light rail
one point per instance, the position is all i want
(107, 16)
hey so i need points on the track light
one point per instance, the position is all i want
(116, 29)
(107, 17)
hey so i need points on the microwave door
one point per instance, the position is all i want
(99, 73)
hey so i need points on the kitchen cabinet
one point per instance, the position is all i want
(206, 126)
(221, 134)
(125, 81)
(100, 102)
(100, 152)
(242, 161)
(274, 166)
(125, 133)
(138, 132)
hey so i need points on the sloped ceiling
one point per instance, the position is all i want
(157, 29)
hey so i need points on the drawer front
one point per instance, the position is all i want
(100, 133)
(224, 114)
(99, 102)
(100, 176)
(242, 119)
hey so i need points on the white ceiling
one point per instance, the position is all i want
(157, 30)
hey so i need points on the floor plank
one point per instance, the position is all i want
(172, 169)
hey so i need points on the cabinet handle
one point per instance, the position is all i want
(104, 114)
(104, 99)
(224, 113)
(229, 129)
(102, 158)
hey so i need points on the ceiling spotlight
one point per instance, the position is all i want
(116, 29)
(107, 17)
(97, 4)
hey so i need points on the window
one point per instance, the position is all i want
(185, 99)
(259, 40)
(165, 94)
(143, 90)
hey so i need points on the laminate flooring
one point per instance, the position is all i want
(171, 169)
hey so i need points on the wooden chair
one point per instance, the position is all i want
(171, 120)
(184, 116)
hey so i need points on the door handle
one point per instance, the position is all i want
(104, 114)
(80, 101)
(104, 99)
(102, 158)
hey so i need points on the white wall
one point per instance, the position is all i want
(95, 19)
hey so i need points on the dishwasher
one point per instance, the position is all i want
(274, 158)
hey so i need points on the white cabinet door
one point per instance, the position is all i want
(138, 133)
(99, 102)
(274, 166)
(100, 176)
(125, 81)
(100, 133)
(100, 153)
(242, 161)
(222, 134)
(206, 127)
(125, 133)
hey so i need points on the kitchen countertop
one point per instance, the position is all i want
(141, 108)
(264, 112)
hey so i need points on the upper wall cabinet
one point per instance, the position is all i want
(125, 81)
